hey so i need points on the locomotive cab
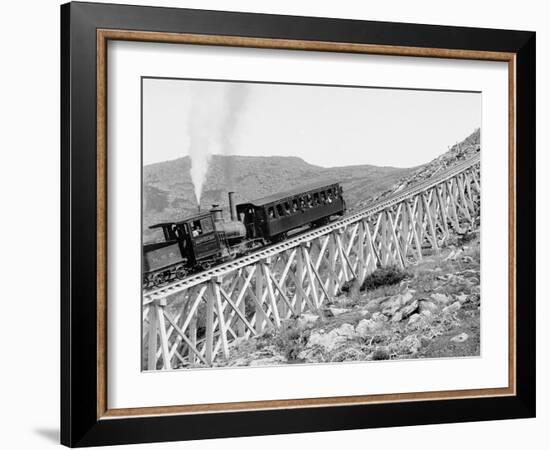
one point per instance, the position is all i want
(199, 243)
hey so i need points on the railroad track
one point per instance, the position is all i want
(303, 238)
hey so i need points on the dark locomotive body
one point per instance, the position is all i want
(203, 240)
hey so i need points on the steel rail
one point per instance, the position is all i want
(266, 252)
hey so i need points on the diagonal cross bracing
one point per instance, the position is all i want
(208, 311)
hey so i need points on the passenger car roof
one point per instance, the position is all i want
(302, 189)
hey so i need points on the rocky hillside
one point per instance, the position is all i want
(434, 311)
(168, 192)
(459, 152)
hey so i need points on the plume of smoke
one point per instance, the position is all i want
(213, 117)
(235, 100)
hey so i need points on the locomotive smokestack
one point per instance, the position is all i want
(217, 213)
(232, 210)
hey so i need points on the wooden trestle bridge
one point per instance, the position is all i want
(194, 321)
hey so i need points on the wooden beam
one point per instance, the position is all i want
(431, 227)
(271, 294)
(221, 318)
(189, 342)
(152, 343)
(400, 259)
(209, 333)
(163, 338)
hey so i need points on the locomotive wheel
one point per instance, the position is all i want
(159, 278)
(146, 282)
(181, 273)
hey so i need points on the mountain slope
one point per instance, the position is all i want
(168, 192)
(459, 152)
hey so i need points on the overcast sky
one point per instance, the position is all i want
(327, 126)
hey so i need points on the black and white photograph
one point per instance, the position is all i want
(304, 224)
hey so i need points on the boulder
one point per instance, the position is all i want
(379, 317)
(452, 308)
(442, 299)
(409, 309)
(425, 305)
(331, 340)
(410, 345)
(338, 311)
(346, 330)
(367, 327)
(397, 317)
(414, 319)
(392, 304)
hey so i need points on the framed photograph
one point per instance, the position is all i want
(277, 224)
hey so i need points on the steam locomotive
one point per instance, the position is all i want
(207, 239)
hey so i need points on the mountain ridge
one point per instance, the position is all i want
(169, 194)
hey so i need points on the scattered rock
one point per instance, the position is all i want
(276, 359)
(397, 317)
(462, 298)
(441, 298)
(392, 304)
(375, 303)
(453, 255)
(346, 330)
(338, 311)
(379, 317)
(452, 308)
(349, 354)
(409, 309)
(410, 345)
(425, 305)
(367, 327)
(455, 279)
(460, 337)
(307, 318)
(414, 319)
(329, 341)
